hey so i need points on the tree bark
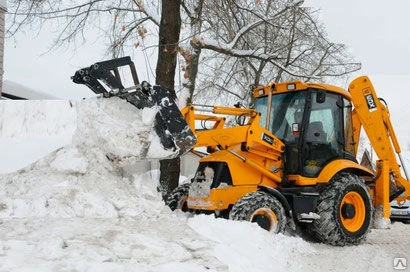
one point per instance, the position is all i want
(193, 52)
(169, 30)
(192, 69)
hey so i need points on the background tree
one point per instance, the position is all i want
(169, 30)
(224, 47)
(256, 42)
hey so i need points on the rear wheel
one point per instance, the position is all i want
(177, 199)
(345, 211)
(261, 208)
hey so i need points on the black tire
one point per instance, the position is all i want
(177, 198)
(345, 211)
(261, 208)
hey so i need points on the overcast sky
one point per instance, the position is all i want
(28, 63)
(376, 32)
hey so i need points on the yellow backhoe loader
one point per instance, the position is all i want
(290, 159)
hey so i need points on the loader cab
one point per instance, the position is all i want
(311, 122)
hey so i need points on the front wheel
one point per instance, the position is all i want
(261, 208)
(177, 199)
(345, 211)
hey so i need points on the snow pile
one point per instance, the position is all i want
(122, 131)
(259, 249)
(74, 211)
(119, 129)
(109, 132)
(29, 130)
(70, 182)
(28, 119)
(85, 178)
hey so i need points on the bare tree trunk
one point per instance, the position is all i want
(192, 69)
(169, 31)
(193, 53)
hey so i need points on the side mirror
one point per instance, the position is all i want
(320, 97)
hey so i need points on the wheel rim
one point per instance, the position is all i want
(265, 218)
(352, 220)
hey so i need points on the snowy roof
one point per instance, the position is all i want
(3, 4)
(16, 89)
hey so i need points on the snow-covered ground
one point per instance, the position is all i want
(74, 210)
(78, 210)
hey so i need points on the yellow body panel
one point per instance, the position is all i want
(338, 165)
(292, 86)
(233, 135)
(329, 171)
(243, 173)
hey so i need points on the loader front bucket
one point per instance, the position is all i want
(173, 131)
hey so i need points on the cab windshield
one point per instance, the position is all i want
(286, 114)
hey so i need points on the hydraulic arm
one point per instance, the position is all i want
(374, 116)
(247, 134)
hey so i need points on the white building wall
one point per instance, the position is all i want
(2, 30)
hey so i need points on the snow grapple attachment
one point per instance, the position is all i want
(170, 126)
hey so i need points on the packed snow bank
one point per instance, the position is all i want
(75, 211)
(29, 130)
(37, 118)
(72, 180)
(69, 182)
(122, 131)
(246, 247)
(118, 129)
